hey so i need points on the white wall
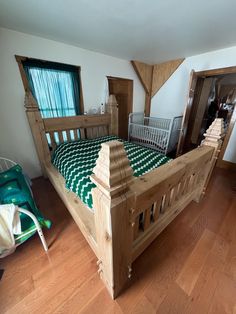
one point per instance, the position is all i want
(171, 98)
(15, 137)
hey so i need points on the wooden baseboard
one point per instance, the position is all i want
(227, 165)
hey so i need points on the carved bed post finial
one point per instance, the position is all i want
(213, 137)
(37, 128)
(112, 108)
(112, 202)
(214, 134)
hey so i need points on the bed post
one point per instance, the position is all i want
(112, 108)
(213, 138)
(37, 128)
(112, 201)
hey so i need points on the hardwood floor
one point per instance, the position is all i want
(189, 268)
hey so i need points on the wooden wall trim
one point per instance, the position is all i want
(224, 164)
(162, 72)
(25, 82)
(153, 77)
(144, 72)
(219, 71)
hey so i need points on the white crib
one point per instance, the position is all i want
(157, 133)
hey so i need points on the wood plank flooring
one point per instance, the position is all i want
(189, 268)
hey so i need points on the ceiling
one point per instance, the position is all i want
(150, 31)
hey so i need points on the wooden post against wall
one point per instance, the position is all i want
(145, 75)
(112, 201)
(112, 108)
(213, 138)
(37, 128)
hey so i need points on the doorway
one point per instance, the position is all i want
(123, 90)
(211, 94)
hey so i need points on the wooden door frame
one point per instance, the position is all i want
(130, 103)
(187, 111)
(209, 73)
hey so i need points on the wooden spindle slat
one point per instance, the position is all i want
(187, 185)
(162, 207)
(147, 218)
(52, 138)
(182, 188)
(82, 133)
(93, 132)
(136, 227)
(102, 131)
(175, 194)
(89, 133)
(171, 200)
(60, 135)
(167, 200)
(191, 182)
(195, 181)
(96, 132)
(99, 131)
(156, 210)
(68, 135)
(75, 131)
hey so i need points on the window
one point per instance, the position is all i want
(55, 86)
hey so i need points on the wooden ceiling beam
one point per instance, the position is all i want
(162, 72)
(144, 72)
(153, 77)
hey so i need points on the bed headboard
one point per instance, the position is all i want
(50, 132)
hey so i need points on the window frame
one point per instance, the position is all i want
(21, 59)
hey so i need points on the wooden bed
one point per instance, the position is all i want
(114, 231)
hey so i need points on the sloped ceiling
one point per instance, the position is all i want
(151, 31)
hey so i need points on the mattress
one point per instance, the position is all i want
(75, 162)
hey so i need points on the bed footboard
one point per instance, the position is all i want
(130, 212)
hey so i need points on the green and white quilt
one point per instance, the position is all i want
(76, 160)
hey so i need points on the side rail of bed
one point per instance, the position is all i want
(130, 212)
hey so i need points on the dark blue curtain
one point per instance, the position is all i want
(56, 88)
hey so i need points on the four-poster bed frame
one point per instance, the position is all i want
(113, 231)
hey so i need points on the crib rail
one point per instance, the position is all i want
(149, 136)
(136, 117)
(157, 133)
(159, 123)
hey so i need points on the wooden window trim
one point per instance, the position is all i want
(20, 59)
